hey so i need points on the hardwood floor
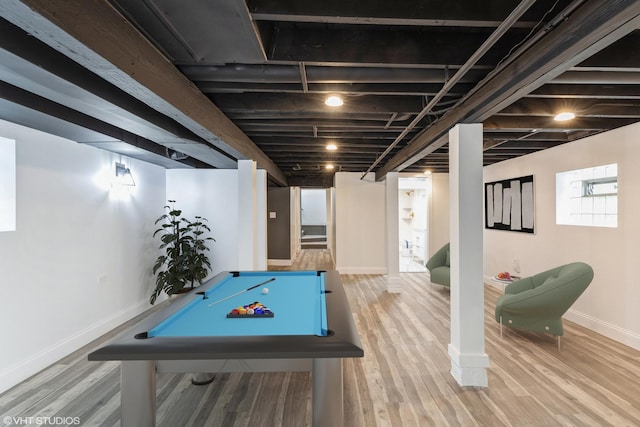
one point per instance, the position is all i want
(403, 380)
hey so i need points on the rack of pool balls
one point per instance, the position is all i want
(255, 309)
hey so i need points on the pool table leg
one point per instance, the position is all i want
(138, 393)
(327, 408)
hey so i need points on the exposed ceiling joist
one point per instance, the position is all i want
(584, 33)
(154, 72)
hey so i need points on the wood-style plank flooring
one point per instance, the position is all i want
(403, 380)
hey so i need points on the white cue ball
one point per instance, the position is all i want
(265, 291)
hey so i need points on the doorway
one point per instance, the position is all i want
(313, 218)
(413, 196)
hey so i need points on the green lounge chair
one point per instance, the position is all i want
(438, 266)
(537, 303)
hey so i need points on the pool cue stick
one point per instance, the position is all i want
(243, 291)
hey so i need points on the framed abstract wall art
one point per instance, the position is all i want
(509, 204)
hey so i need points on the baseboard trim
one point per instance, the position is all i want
(16, 373)
(362, 270)
(280, 262)
(609, 330)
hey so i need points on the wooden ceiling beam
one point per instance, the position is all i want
(96, 36)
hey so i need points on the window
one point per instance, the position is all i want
(7, 184)
(588, 196)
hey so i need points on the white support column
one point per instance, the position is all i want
(261, 220)
(393, 235)
(247, 215)
(469, 361)
(331, 222)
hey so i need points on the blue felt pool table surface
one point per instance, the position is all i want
(297, 300)
(312, 319)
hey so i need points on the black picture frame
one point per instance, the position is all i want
(509, 205)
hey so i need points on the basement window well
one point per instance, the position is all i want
(7, 184)
(588, 197)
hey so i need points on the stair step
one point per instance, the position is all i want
(314, 245)
(313, 239)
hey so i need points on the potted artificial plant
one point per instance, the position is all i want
(184, 262)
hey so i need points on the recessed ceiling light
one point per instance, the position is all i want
(564, 116)
(334, 101)
(332, 147)
(329, 166)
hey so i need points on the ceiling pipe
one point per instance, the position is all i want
(391, 120)
(495, 144)
(493, 38)
(303, 78)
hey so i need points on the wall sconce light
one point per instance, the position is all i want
(123, 175)
(175, 155)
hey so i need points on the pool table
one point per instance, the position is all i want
(311, 329)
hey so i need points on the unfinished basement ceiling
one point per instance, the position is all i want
(269, 64)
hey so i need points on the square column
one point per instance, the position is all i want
(247, 215)
(393, 235)
(469, 361)
(260, 263)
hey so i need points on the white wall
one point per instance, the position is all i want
(314, 209)
(610, 304)
(7, 184)
(213, 194)
(438, 212)
(360, 224)
(79, 262)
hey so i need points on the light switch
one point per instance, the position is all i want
(272, 214)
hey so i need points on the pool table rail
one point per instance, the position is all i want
(343, 341)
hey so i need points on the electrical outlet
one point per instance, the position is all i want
(516, 265)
